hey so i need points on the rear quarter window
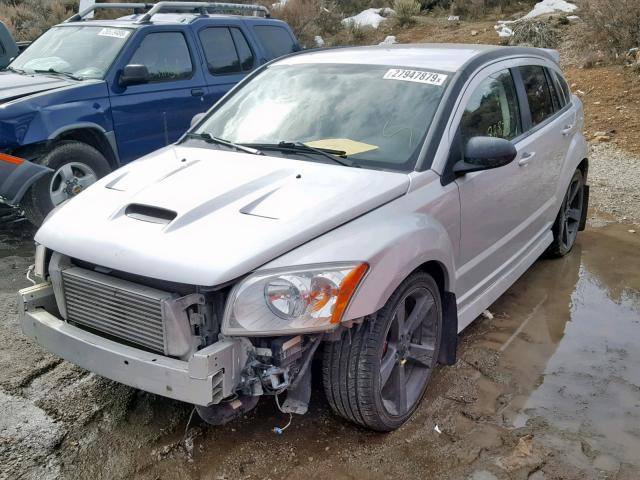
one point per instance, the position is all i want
(276, 40)
(564, 87)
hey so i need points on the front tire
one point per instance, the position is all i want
(567, 224)
(75, 166)
(378, 373)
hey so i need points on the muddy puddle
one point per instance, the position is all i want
(547, 388)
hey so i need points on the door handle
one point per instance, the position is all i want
(526, 158)
(567, 130)
(197, 92)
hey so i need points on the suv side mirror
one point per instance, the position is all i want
(134, 75)
(484, 153)
(196, 119)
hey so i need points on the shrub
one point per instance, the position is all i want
(406, 10)
(614, 25)
(534, 33)
(28, 19)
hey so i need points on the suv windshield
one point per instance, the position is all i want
(80, 51)
(377, 115)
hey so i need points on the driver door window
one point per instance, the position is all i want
(492, 110)
(165, 55)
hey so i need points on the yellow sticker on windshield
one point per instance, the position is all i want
(351, 147)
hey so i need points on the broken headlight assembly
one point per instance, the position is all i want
(283, 302)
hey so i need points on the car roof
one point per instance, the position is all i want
(129, 21)
(446, 57)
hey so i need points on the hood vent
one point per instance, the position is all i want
(150, 214)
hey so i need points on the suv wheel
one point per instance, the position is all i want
(377, 377)
(75, 166)
(565, 228)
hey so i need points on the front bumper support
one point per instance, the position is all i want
(210, 374)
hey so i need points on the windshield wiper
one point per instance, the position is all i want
(16, 70)
(337, 156)
(219, 141)
(51, 71)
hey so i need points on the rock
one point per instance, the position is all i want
(474, 33)
(487, 314)
(602, 138)
(482, 475)
(632, 231)
(525, 454)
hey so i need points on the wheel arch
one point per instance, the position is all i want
(448, 348)
(93, 135)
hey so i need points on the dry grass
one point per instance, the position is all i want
(406, 10)
(613, 25)
(27, 19)
(534, 33)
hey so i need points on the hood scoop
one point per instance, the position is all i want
(147, 213)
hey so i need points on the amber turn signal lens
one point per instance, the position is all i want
(11, 159)
(347, 288)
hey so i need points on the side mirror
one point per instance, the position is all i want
(196, 119)
(134, 75)
(484, 153)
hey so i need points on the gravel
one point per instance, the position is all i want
(613, 177)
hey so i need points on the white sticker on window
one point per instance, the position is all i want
(114, 32)
(419, 76)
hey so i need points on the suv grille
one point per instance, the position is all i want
(116, 307)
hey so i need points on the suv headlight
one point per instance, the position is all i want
(282, 302)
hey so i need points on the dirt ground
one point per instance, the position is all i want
(549, 388)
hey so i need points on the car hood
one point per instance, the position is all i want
(206, 217)
(14, 86)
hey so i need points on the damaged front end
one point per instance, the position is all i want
(167, 339)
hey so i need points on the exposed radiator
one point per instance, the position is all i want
(116, 307)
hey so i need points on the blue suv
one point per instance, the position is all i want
(91, 95)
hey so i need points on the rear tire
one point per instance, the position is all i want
(376, 375)
(567, 224)
(76, 166)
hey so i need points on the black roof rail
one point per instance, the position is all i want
(148, 10)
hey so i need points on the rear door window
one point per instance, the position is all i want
(220, 51)
(276, 40)
(492, 110)
(538, 93)
(166, 56)
(244, 51)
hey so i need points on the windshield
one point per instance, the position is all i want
(82, 51)
(377, 115)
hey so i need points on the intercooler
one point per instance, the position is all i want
(116, 307)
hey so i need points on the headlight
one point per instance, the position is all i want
(292, 301)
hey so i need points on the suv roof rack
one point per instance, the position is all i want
(200, 8)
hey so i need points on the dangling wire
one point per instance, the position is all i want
(279, 430)
(186, 429)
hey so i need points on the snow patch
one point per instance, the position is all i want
(390, 40)
(372, 17)
(544, 7)
(550, 6)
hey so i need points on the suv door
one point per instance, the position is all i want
(228, 58)
(8, 47)
(495, 205)
(149, 116)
